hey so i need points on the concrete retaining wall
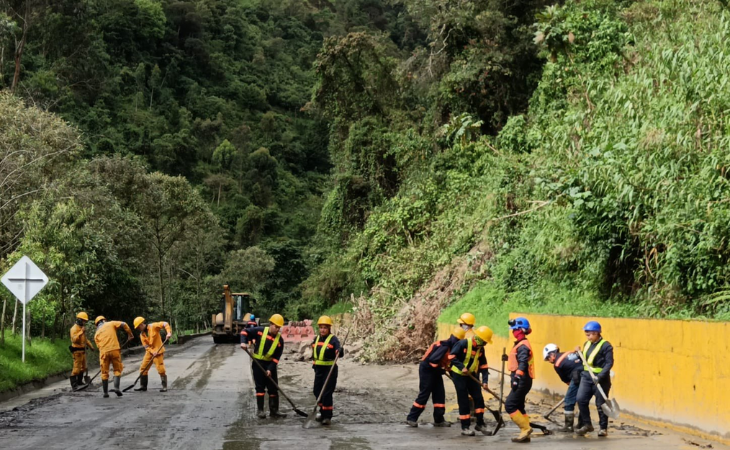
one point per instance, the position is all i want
(672, 373)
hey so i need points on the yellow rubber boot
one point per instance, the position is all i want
(524, 424)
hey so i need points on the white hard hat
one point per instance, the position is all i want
(549, 349)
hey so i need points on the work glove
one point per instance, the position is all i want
(516, 381)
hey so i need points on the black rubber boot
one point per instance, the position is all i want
(80, 380)
(274, 407)
(143, 379)
(105, 387)
(585, 429)
(163, 378)
(117, 382)
(74, 382)
(569, 418)
(260, 413)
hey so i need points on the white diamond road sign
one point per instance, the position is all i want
(25, 280)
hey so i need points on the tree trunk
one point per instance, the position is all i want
(21, 46)
(162, 287)
(43, 324)
(27, 324)
(15, 315)
(55, 328)
(2, 321)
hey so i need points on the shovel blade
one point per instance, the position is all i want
(610, 412)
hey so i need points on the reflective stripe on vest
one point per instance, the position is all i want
(588, 359)
(319, 359)
(513, 364)
(270, 354)
(467, 359)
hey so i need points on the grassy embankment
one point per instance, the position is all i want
(42, 358)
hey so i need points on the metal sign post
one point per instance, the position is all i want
(25, 280)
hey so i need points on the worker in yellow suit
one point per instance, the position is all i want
(79, 343)
(110, 353)
(154, 350)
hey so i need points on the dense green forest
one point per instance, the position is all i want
(410, 154)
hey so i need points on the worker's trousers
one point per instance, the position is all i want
(466, 386)
(326, 404)
(587, 390)
(159, 364)
(79, 366)
(515, 401)
(262, 382)
(571, 396)
(430, 383)
(114, 359)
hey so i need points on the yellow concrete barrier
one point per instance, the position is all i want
(671, 373)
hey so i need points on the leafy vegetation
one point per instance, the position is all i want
(420, 155)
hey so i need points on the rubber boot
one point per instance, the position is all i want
(525, 429)
(74, 379)
(274, 407)
(585, 429)
(467, 432)
(80, 380)
(442, 424)
(105, 387)
(163, 378)
(260, 413)
(143, 383)
(117, 382)
(326, 421)
(602, 432)
(569, 420)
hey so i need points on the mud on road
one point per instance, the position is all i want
(210, 405)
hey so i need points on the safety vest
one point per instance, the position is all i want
(319, 358)
(468, 359)
(588, 359)
(513, 365)
(270, 354)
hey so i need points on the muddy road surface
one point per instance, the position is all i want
(210, 405)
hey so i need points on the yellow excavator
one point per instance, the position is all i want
(228, 323)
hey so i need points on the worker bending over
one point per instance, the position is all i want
(569, 367)
(325, 349)
(430, 382)
(268, 345)
(154, 350)
(597, 354)
(521, 365)
(79, 343)
(110, 351)
(467, 357)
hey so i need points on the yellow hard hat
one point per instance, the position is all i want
(485, 334)
(324, 320)
(459, 332)
(82, 315)
(96, 321)
(138, 321)
(277, 319)
(467, 318)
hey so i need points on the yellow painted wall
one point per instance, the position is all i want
(672, 371)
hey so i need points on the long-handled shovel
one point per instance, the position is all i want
(313, 414)
(149, 364)
(296, 410)
(500, 422)
(497, 416)
(613, 411)
(547, 416)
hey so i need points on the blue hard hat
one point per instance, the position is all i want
(519, 322)
(592, 326)
(251, 317)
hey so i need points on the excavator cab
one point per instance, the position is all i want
(228, 323)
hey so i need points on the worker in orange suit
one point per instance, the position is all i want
(78, 347)
(154, 350)
(110, 353)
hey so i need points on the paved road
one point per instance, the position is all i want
(210, 406)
